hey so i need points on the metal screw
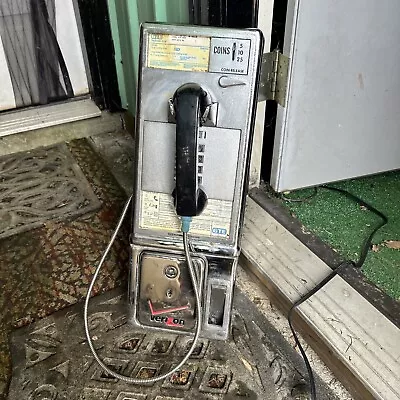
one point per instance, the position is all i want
(169, 293)
(171, 271)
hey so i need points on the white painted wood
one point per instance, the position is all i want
(69, 42)
(265, 13)
(341, 118)
(44, 116)
(7, 100)
(357, 333)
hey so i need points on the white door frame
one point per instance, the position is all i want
(265, 14)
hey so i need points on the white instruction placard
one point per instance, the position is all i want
(157, 212)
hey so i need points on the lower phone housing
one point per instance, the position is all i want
(161, 291)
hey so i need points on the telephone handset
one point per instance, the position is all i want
(190, 104)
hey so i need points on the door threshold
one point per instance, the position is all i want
(357, 342)
(33, 118)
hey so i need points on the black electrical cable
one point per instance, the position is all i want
(363, 255)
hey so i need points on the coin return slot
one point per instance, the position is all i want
(217, 305)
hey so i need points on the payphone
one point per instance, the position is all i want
(196, 101)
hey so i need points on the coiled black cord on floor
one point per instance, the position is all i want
(354, 264)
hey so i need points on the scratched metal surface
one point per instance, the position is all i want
(51, 359)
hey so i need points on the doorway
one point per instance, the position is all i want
(41, 54)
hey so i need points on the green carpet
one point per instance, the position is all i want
(344, 225)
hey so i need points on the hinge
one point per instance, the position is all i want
(274, 76)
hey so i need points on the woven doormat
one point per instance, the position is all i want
(41, 185)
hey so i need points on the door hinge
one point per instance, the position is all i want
(274, 76)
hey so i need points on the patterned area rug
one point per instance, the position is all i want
(48, 268)
(41, 185)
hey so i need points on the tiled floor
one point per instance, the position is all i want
(52, 357)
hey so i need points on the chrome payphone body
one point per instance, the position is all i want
(196, 103)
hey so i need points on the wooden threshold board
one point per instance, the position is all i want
(33, 118)
(358, 343)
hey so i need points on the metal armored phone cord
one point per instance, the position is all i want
(128, 379)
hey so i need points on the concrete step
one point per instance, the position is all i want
(352, 337)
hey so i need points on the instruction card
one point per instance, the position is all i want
(157, 212)
(181, 53)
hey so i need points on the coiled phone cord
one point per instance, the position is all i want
(198, 310)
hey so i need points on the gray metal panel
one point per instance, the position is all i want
(231, 100)
(235, 107)
(220, 160)
(158, 165)
(341, 118)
